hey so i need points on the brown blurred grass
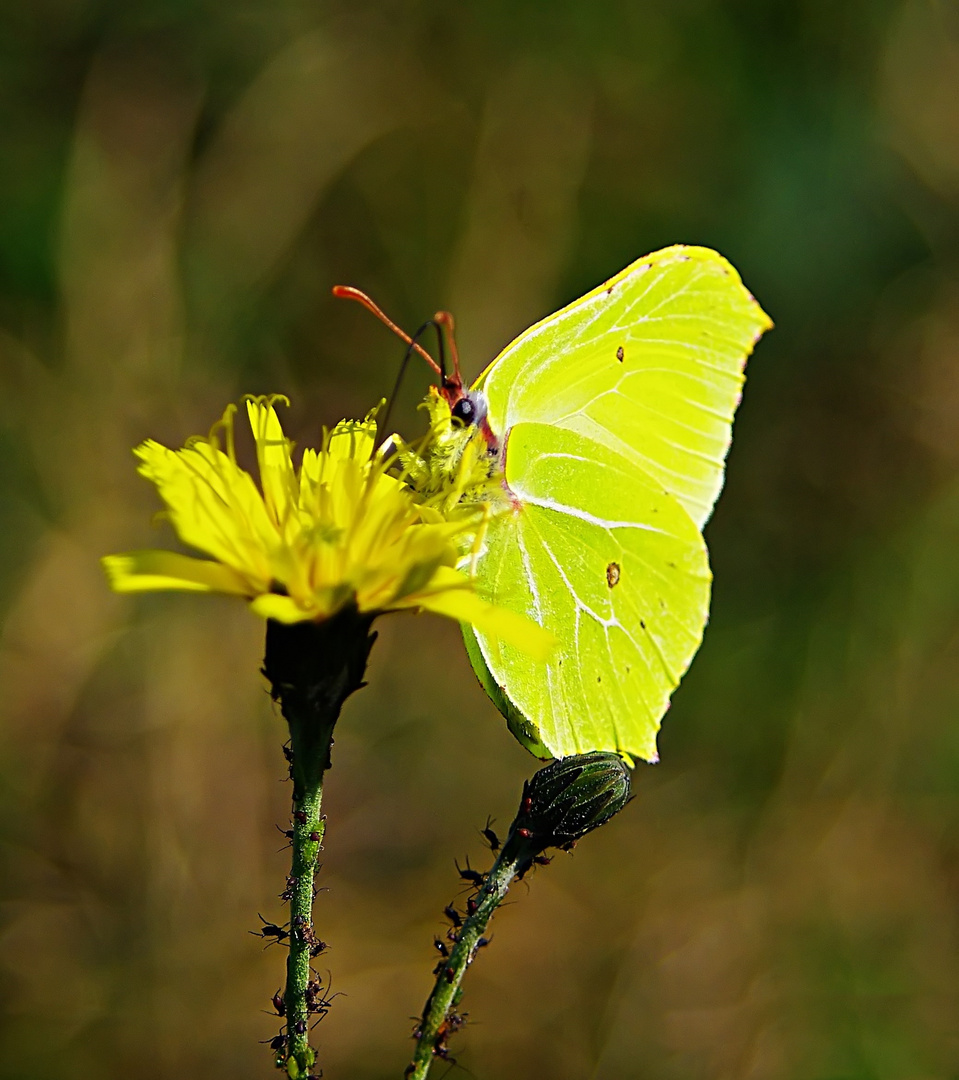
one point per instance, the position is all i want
(183, 186)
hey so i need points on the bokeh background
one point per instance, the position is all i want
(181, 182)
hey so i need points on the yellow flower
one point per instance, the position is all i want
(338, 530)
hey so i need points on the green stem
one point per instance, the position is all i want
(308, 830)
(433, 1029)
(313, 669)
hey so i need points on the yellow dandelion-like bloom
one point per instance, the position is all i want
(308, 541)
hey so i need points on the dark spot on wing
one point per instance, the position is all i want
(642, 624)
(620, 354)
(613, 574)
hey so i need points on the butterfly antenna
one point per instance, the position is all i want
(347, 292)
(413, 345)
(452, 382)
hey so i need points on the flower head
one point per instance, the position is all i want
(306, 542)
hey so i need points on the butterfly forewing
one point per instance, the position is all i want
(598, 553)
(650, 365)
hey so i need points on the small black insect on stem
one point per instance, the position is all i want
(474, 877)
(491, 838)
(270, 930)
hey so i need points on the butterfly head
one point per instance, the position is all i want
(468, 408)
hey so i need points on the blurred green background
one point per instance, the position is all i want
(180, 185)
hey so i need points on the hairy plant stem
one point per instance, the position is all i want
(313, 669)
(561, 803)
(308, 830)
(431, 1032)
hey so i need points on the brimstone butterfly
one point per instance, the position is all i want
(608, 425)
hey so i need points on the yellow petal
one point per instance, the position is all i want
(144, 571)
(277, 476)
(454, 596)
(353, 439)
(214, 505)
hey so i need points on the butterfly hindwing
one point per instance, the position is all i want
(597, 552)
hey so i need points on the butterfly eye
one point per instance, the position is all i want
(464, 411)
(470, 409)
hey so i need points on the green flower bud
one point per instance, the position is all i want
(565, 800)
